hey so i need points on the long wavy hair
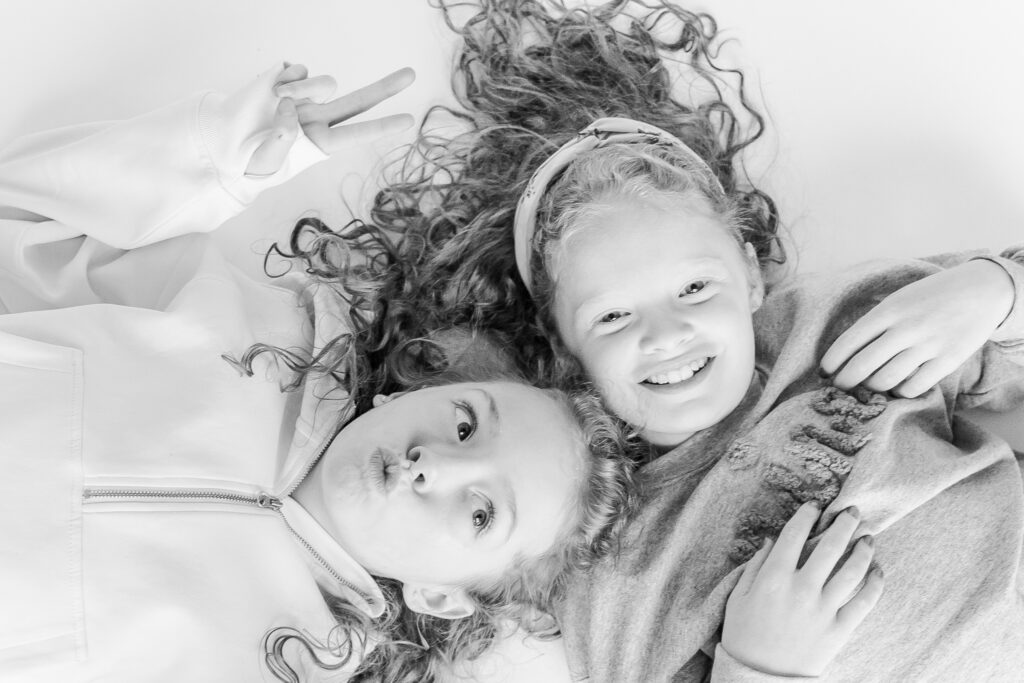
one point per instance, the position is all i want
(361, 267)
(528, 75)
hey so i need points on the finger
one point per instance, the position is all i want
(856, 337)
(292, 72)
(347, 106)
(841, 586)
(927, 376)
(340, 137)
(270, 155)
(869, 359)
(831, 547)
(852, 613)
(753, 566)
(786, 553)
(317, 89)
(899, 369)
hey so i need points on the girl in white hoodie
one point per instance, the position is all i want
(164, 518)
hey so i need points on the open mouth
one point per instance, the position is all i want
(678, 375)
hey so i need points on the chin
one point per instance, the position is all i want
(692, 422)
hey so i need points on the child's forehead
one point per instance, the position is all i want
(606, 273)
(661, 224)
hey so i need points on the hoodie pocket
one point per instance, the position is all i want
(42, 617)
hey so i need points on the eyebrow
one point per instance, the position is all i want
(510, 496)
(584, 310)
(493, 416)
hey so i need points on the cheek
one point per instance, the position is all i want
(731, 315)
(607, 357)
(606, 361)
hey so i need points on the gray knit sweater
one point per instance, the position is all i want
(943, 498)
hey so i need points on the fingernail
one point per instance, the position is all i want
(878, 571)
(868, 541)
(852, 511)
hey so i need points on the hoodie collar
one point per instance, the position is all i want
(324, 404)
(334, 567)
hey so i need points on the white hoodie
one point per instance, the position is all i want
(113, 395)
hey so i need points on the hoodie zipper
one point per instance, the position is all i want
(102, 494)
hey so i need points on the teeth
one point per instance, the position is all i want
(680, 374)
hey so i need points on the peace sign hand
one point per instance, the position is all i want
(306, 104)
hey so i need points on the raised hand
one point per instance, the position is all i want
(792, 621)
(922, 332)
(306, 103)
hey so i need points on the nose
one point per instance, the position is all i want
(664, 332)
(433, 471)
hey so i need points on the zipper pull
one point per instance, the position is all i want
(265, 500)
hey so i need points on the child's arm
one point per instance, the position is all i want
(74, 200)
(184, 168)
(785, 620)
(926, 330)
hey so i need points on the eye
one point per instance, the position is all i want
(613, 317)
(694, 287)
(483, 517)
(465, 421)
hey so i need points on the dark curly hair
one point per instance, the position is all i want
(360, 267)
(528, 76)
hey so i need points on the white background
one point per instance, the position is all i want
(897, 125)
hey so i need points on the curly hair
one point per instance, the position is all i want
(360, 266)
(431, 282)
(528, 76)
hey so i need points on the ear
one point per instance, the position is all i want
(380, 399)
(754, 277)
(446, 603)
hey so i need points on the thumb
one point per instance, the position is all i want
(270, 155)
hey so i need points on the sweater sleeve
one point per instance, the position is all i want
(1010, 333)
(994, 378)
(77, 199)
(727, 669)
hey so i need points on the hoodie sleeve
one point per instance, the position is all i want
(78, 198)
(177, 170)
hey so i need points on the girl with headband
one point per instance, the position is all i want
(601, 225)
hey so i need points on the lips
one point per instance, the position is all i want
(384, 469)
(677, 371)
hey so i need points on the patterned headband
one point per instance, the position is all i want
(598, 134)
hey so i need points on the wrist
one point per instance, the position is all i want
(999, 285)
(726, 660)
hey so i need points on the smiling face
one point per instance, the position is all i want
(448, 486)
(655, 298)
